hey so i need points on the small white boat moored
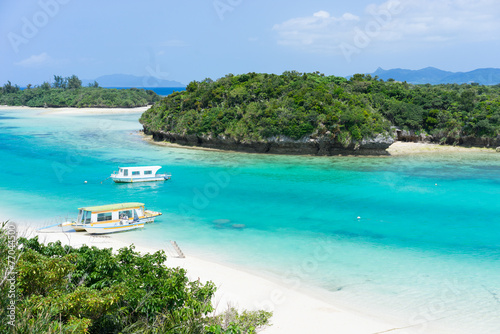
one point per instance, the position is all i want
(139, 174)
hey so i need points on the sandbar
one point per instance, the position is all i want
(79, 111)
(407, 148)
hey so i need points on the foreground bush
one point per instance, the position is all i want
(61, 289)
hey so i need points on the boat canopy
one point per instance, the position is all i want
(112, 207)
(142, 168)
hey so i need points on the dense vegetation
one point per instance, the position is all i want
(68, 92)
(257, 107)
(60, 289)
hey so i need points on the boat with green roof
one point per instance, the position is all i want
(112, 218)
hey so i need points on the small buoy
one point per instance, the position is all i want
(85, 182)
(435, 184)
(359, 217)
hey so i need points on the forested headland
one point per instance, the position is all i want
(310, 113)
(69, 92)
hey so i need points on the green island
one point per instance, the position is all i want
(68, 92)
(310, 113)
(60, 289)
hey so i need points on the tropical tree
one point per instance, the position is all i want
(74, 82)
(59, 82)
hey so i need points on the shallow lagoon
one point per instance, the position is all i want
(413, 237)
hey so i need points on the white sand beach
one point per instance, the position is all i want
(79, 111)
(294, 311)
(406, 148)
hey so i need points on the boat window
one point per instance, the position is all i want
(125, 172)
(148, 172)
(88, 216)
(136, 173)
(104, 216)
(126, 213)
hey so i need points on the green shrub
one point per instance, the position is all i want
(61, 289)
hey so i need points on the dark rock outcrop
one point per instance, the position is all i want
(280, 145)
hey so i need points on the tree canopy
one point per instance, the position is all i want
(68, 92)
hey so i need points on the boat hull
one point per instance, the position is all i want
(113, 228)
(149, 216)
(157, 177)
(78, 228)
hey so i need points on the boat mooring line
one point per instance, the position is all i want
(104, 179)
(45, 227)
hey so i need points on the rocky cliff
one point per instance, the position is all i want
(280, 145)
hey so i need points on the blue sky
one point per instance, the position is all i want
(195, 39)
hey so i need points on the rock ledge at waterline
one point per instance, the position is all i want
(279, 145)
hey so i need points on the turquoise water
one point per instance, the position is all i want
(416, 238)
(162, 91)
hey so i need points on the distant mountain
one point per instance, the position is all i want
(127, 80)
(432, 75)
(484, 76)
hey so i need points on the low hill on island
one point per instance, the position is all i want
(69, 92)
(309, 113)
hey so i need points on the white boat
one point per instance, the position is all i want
(139, 174)
(113, 218)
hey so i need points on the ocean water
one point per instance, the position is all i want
(412, 238)
(162, 91)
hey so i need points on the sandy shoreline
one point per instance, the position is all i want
(398, 148)
(406, 148)
(295, 311)
(78, 111)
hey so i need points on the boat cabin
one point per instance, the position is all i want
(139, 174)
(111, 213)
(138, 171)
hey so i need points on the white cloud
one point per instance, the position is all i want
(401, 23)
(350, 17)
(314, 31)
(322, 14)
(36, 60)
